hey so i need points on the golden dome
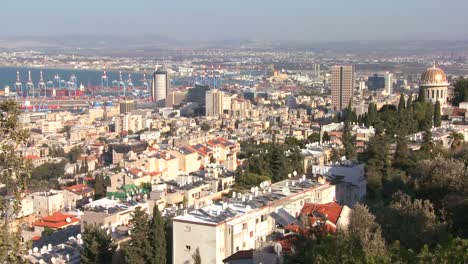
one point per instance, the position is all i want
(433, 76)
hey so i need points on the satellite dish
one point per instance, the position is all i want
(78, 236)
(35, 250)
(285, 191)
(278, 248)
(68, 220)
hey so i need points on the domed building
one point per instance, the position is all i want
(435, 85)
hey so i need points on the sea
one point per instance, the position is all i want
(85, 77)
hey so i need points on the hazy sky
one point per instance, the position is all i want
(296, 20)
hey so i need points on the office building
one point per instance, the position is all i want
(388, 83)
(160, 88)
(375, 82)
(127, 106)
(342, 86)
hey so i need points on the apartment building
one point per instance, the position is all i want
(245, 221)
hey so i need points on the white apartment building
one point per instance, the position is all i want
(219, 230)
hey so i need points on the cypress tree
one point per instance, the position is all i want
(401, 104)
(97, 246)
(157, 238)
(409, 102)
(347, 139)
(422, 95)
(138, 250)
(400, 158)
(99, 187)
(437, 115)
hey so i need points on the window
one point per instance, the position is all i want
(256, 221)
(237, 249)
(244, 226)
(251, 233)
(264, 218)
(187, 247)
(187, 228)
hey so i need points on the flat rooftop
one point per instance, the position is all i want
(244, 203)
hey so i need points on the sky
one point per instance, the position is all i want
(208, 20)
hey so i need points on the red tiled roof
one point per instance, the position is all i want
(331, 210)
(31, 157)
(219, 141)
(56, 220)
(78, 188)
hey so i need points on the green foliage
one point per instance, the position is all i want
(49, 171)
(205, 127)
(156, 235)
(460, 91)
(401, 156)
(101, 183)
(14, 173)
(47, 232)
(437, 115)
(148, 239)
(75, 153)
(138, 250)
(269, 161)
(97, 246)
(401, 103)
(348, 143)
(413, 222)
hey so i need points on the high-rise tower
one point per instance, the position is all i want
(160, 87)
(342, 86)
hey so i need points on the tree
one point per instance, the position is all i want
(401, 104)
(437, 115)
(138, 250)
(409, 102)
(196, 257)
(457, 140)
(422, 95)
(348, 144)
(365, 234)
(460, 91)
(205, 127)
(157, 238)
(412, 222)
(14, 173)
(75, 153)
(400, 158)
(100, 186)
(97, 246)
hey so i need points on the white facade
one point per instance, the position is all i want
(160, 87)
(388, 83)
(219, 230)
(214, 103)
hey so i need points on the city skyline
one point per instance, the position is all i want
(305, 21)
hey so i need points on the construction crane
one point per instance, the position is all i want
(29, 85)
(104, 79)
(42, 85)
(18, 84)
